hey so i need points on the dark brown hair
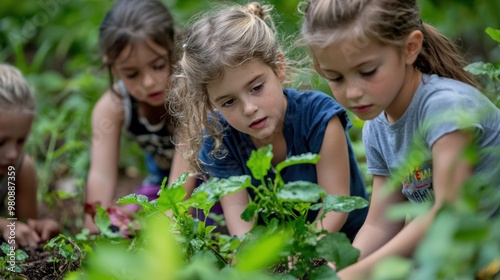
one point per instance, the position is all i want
(134, 21)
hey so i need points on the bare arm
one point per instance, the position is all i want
(26, 190)
(450, 170)
(179, 166)
(333, 171)
(107, 120)
(25, 207)
(232, 206)
(377, 229)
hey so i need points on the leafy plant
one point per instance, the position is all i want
(284, 206)
(12, 261)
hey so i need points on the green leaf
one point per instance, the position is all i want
(337, 248)
(307, 158)
(339, 203)
(260, 161)
(180, 181)
(103, 222)
(217, 188)
(162, 253)
(263, 252)
(323, 272)
(102, 219)
(494, 34)
(392, 268)
(481, 68)
(5, 247)
(138, 199)
(249, 211)
(169, 197)
(301, 191)
(21, 255)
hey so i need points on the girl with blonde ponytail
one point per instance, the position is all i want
(407, 81)
(229, 100)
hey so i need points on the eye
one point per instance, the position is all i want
(257, 88)
(21, 141)
(335, 79)
(369, 72)
(131, 75)
(159, 66)
(228, 103)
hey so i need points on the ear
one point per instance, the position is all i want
(413, 45)
(281, 69)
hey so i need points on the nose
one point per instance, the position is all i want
(249, 107)
(148, 80)
(11, 152)
(353, 91)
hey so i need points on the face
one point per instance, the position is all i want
(145, 70)
(367, 79)
(251, 99)
(14, 130)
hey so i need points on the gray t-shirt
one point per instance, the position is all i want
(440, 106)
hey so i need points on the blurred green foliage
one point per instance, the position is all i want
(54, 43)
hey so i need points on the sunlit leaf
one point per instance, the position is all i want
(337, 248)
(307, 158)
(260, 162)
(339, 203)
(494, 33)
(392, 268)
(301, 191)
(263, 252)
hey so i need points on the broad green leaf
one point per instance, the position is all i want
(494, 34)
(199, 200)
(217, 188)
(169, 197)
(101, 219)
(263, 252)
(180, 181)
(5, 247)
(249, 211)
(260, 162)
(392, 268)
(480, 68)
(301, 191)
(21, 255)
(339, 203)
(162, 252)
(307, 158)
(138, 199)
(323, 272)
(337, 248)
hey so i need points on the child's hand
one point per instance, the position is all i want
(25, 235)
(46, 228)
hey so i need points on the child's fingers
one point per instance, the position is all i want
(33, 239)
(27, 237)
(50, 229)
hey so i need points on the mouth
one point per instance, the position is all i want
(258, 124)
(361, 109)
(156, 95)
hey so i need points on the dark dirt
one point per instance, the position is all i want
(69, 213)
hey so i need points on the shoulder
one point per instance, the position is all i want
(311, 100)
(27, 167)
(447, 92)
(110, 106)
(309, 96)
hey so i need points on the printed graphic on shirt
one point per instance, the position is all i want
(417, 185)
(160, 147)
